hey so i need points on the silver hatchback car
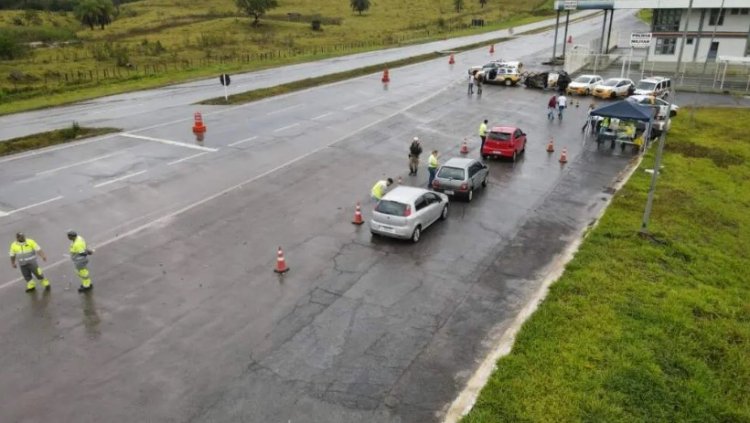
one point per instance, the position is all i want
(460, 177)
(405, 212)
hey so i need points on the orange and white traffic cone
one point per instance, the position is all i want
(281, 266)
(564, 156)
(492, 49)
(551, 145)
(451, 60)
(358, 215)
(464, 147)
(198, 126)
(386, 78)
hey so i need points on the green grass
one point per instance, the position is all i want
(648, 330)
(200, 38)
(46, 139)
(645, 15)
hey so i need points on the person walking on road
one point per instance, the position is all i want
(378, 190)
(471, 83)
(551, 107)
(79, 254)
(432, 165)
(483, 134)
(589, 122)
(562, 103)
(23, 252)
(415, 149)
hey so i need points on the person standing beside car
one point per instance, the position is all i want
(415, 149)
(432, 165)
(483, 134)
(471, 82)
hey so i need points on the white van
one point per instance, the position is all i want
(656, 86)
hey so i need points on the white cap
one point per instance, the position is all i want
(416, 138)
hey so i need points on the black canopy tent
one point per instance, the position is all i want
(627, 110)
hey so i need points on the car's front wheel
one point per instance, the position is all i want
(416, 234)
(444, 213)
(508, 82)
(613, 95)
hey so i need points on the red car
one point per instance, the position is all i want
(504, 141)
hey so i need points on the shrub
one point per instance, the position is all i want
(10, 47)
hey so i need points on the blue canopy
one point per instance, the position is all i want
(625, 110)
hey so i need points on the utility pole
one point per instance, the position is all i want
(657, 166)
(684, 38)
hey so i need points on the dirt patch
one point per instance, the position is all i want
(721, 158)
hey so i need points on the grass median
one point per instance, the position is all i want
(261, 93)
(50, 138)
(648, 329)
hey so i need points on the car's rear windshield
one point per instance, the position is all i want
(390, 207)
(583, 79)
(451, 173)
(611, 82)
(645, 85)
(499, 136)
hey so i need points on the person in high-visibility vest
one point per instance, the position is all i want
(23, 252)
(79, 254)
(483, 134)
(432, 165)
(378, 190)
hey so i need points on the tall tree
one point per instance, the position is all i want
(94, 12)
(256, 8)
(482, 3)
(458, 4)
(360, 5)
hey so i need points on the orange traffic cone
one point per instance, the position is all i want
(564, 156)
(492, 49)
(358, 215)
(451, 60)
(570, 39)
(385, 79)
(281, 266)
(551, 145)
(198, 127)
(464, 147)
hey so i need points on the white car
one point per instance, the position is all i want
(584, 84)
(405, 212)
(649, 100)
(614, 87)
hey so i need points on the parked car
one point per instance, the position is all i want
(405, 212)
(460, 177)
(657, 86)
(504, 141)
(507, 76)
(584, 84)
(656, 102)
(614, 87)
(497, 64)
(557, 80)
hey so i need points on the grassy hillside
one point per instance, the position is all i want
(648, 329)
(154, 42)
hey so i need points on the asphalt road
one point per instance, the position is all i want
(187, 321)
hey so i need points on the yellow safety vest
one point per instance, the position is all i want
(78, 250)
(482, 130)
(24, 252)
(378, 190)
(433, 162)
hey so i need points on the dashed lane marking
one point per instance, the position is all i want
(170, 142)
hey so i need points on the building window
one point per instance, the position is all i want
(744, 11)
(716, 17)
(734, 11)
(667, 20)
(665, 46)
(689, 41)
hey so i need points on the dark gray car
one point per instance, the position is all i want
(460, 177)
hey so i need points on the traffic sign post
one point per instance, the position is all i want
(225, 81)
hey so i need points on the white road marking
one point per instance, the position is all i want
(322, 116)
(56, 148)
(169, 216)
(283, 110)
(112, 181)
(170, 142)
(8, 213)
(45, 172)
(285, 127)
(242, 141)
(186, 158)
(351, 107)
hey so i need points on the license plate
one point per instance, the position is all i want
(449, 193)
(387, 229)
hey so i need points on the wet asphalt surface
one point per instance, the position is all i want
(188, 323)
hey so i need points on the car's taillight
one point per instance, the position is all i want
(464, 186)
(436, 183)
(407, 211)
